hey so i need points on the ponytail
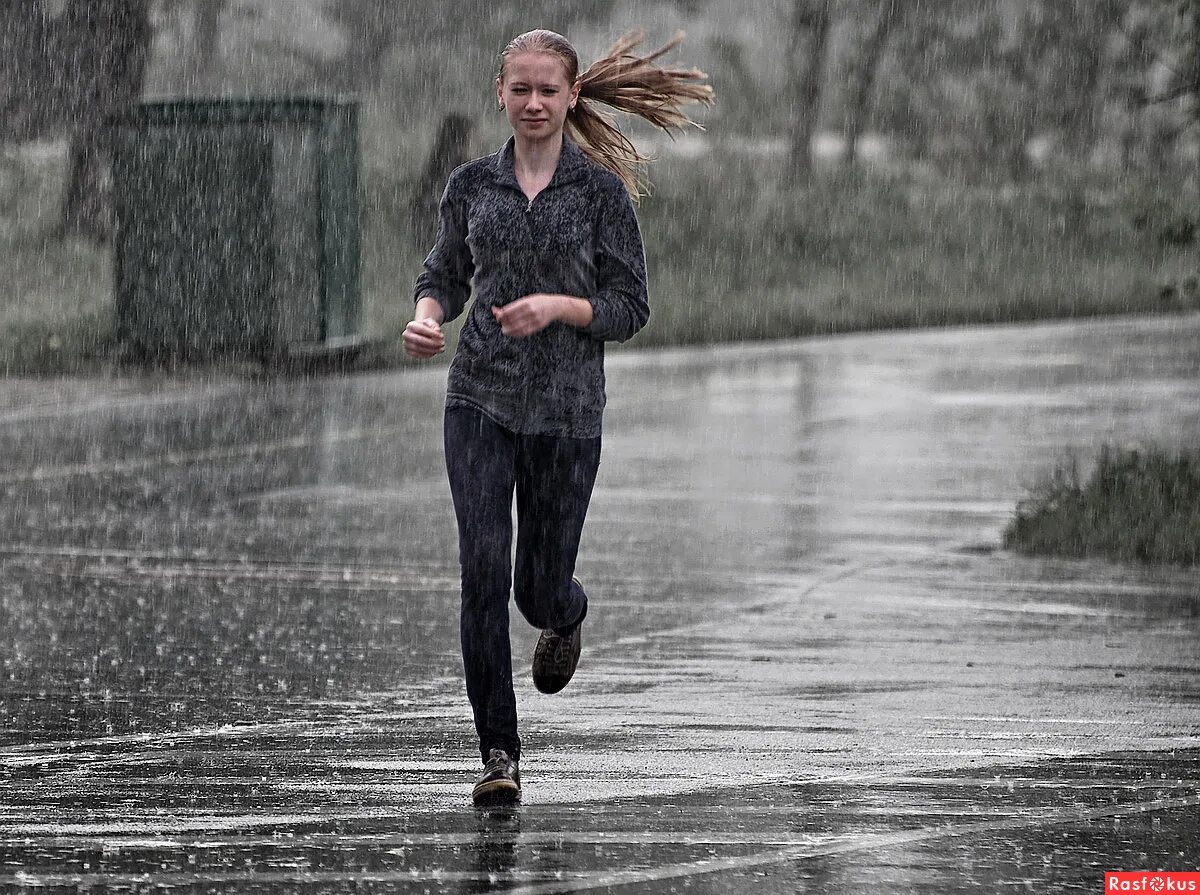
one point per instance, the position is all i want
(629, 83)
(634, 84)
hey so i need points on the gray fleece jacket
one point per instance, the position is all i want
(578, 237)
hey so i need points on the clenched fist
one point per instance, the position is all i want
(424, 339)
(527, 315)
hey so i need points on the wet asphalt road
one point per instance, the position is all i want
(228, 633)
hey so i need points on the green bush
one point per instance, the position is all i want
(1136, 506)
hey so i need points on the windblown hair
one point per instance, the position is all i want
(625, 81)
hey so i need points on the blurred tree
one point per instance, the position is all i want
(1010, 45)
(1187, 82)
(1188, 77)
(1157, 81)
(370, 29)
(1084, 30)
(1133, 62)
(66, 73)
(374, 28)
(966, 84)
(887, 15)
(31, 104)
(808, 29)
(970, 86)
(206, 39)
(105, 49)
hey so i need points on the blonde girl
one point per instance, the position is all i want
(544, 232)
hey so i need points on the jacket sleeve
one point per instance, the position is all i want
(447, 271)
(619, 307)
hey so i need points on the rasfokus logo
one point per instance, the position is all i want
(1152, 881)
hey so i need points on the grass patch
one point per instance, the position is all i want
(1137, 506)
(735, 251)
(734, 256)
(55, 295)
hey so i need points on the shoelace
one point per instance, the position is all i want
(562, 652)
(499, 763)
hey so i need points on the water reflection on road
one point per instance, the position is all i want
(228, 632)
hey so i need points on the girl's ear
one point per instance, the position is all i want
(574, 94)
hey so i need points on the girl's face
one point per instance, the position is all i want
(535, 94)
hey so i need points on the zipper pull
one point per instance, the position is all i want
(529, 207)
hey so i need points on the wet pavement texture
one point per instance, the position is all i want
(229, 650)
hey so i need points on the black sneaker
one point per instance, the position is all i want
(555, 657)
(500, 782)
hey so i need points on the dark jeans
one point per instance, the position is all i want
(553, 479)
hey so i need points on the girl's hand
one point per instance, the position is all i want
(527, 315)
(423, 339)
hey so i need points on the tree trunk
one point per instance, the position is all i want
(83, 204)
(30, 103)
(1099, 24)
(1132, 70)
(372, 42)
(108, 47)
(858, 108)
(1193, 16)
(809, 28)
(370, 28)
(1080, 136)
(207, 41)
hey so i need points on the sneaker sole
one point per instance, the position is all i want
(543, 683)
(495, 794)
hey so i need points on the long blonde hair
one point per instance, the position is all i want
(625, 81)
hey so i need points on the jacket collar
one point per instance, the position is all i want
(571, 164)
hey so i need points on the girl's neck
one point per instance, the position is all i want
(533, 158)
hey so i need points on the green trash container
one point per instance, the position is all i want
(237, 227)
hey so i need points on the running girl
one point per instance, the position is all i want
(544, 231)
